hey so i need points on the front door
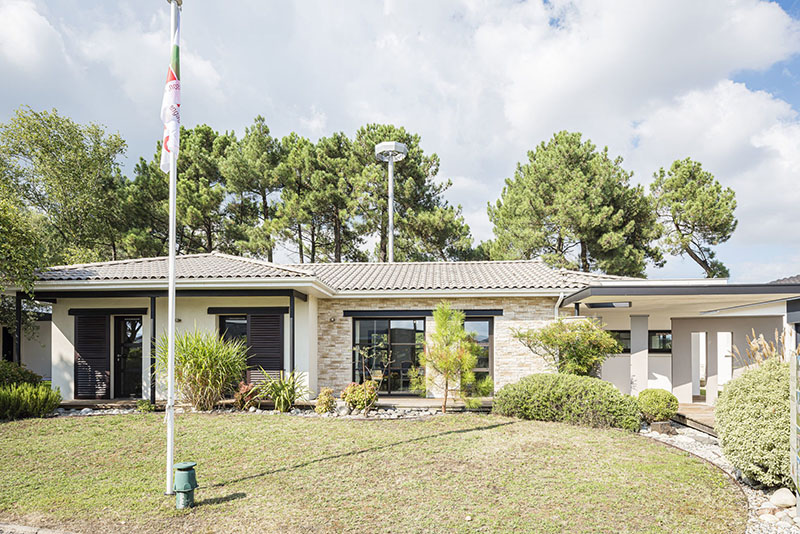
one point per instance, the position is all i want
(128, 357)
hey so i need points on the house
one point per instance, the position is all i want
(313, 318)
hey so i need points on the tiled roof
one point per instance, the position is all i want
(478, 275)
(788, 280)
(195, 266)
(523, 274)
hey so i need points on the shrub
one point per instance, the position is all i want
(284, 390)
(145, 406)
(657, 405)
(207, 367)
(11, 373)
(578, 400)
(28, 400)
(245, 396)
(575, 347)
(753, 422)
(361, 396)
(325, 401)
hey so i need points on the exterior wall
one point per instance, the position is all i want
(191, 313)
(35, 350)
(682, 348)
(512, 360)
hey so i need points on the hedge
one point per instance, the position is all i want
(657, 405)
(753, 423)
(11, 373)
(573, 399)
(18, 401)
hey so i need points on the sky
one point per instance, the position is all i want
(482, 83)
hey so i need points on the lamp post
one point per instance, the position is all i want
(391, 151)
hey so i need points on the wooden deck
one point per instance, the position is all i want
(698, 416)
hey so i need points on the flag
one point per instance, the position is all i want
(171, 102)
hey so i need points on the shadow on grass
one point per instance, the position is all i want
(357, 453)
(220, 500)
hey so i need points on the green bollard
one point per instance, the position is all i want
(185, 484)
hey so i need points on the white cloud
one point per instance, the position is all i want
(27, 39)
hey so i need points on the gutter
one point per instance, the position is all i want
(558, 305)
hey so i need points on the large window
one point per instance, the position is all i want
(623, 337)
(233, 327)
(659, 341)
(387, 346)
(482, 331)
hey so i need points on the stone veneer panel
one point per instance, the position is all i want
(512, 360)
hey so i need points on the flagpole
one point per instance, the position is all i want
(173, 178)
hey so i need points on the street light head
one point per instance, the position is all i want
(390, 150)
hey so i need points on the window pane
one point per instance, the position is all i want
(479, 329)
(660, 341)
(233, 327)
(403, 356)
(371, 331)
(623, 337)
(483, 358)
(403, 331)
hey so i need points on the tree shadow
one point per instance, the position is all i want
(220, 500)
(357, 453)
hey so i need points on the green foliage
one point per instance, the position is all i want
(449, 359)
(697, 213)
(578, 400)
(22, 400)
(361, 396)
(576, 208)
(576, 347)
(284, 390)
(145, 406)
(657, 405)
(245, 396)
(69, 173)
(325, 401)
(21, 252)
(207, 367)
(11, 373)
(753, 422)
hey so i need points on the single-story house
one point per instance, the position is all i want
(315, 318)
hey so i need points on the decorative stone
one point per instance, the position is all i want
(783, 498)
(252, 409)
(767, 508)
(343, 409)
(662, 427)
(769, 518)
(86, 411)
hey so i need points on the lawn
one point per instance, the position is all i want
(290, 474)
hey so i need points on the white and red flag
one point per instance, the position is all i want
(171, 102)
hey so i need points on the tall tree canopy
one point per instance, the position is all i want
(67, 173)
(575, 207)
(696, 211)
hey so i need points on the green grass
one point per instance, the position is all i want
(289, 474)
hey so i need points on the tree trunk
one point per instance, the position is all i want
(337, 239)
(692, 254)
(265, 212)
(584, 257)
(300, 241)
(444, 400)
(313, 234)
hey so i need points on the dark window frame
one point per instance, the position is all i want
(625, 350)
(650, 347)
(356, 344)
(489, 344)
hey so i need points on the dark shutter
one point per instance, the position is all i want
(92, 363)
(265, 341)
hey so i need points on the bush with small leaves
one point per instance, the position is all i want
(145, 406)
(753, 420)
(657, 405)
(325, 401)
(574, 399)
(18, 401)
(361, 396)
(11, 373)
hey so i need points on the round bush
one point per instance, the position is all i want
(657, 405)
(753, 422)
(325, 401)
(28, 400)
(11, 373)
(578, 400)
(360, 396)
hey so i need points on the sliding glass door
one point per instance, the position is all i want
(386, 349)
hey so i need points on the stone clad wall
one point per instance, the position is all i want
(512, 360)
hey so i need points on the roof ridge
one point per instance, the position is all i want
(600, 275)
(129, 260)
(448, 262)
(262, 263)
